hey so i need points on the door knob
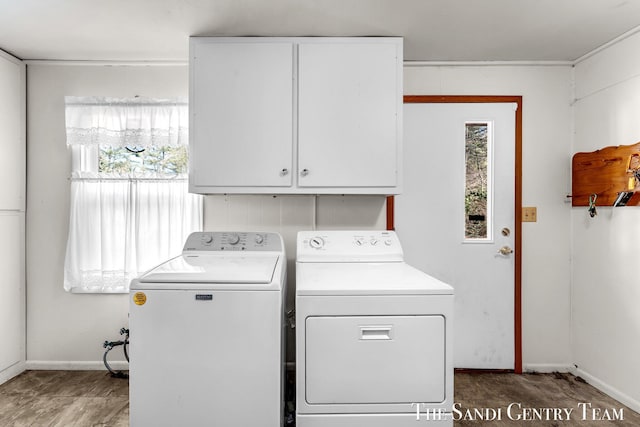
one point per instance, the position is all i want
(505, 250)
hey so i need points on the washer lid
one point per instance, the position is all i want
(230, 268)
(387, 278)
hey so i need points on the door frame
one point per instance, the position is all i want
(468, 99)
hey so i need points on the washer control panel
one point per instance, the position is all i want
(348, 246)
(233, 241)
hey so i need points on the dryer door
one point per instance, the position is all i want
(375, 359)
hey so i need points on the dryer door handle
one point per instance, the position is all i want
(376, 332)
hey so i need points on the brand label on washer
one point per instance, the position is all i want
(204, 297)
(139, 298)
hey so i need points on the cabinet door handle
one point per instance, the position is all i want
(284, 172)
(304, 172)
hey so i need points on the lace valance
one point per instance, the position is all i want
(126, 121)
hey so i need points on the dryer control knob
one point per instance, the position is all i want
(388, 242)
(316, 242)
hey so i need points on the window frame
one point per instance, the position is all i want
(490, 238)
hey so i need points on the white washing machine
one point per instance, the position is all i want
(373, 334)
(207, 334)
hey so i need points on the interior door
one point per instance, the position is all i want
(444, 228)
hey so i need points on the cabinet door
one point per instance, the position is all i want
(12, 134)
(349, 99)
(11, 289)
(241, 100)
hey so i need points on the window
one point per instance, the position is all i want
(477, 195)
(164, 160)
(130, 206)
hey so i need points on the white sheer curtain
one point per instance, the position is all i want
(121, 226)
(128, 121)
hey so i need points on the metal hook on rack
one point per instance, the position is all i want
(592, 205)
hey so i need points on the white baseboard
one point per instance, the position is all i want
(11, 371)
(49, 365)
(607, 389)
(545, 368)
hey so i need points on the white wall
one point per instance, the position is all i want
(606, 290)
(66, 329)
(546, 92)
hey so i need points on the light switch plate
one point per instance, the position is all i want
(529, 214)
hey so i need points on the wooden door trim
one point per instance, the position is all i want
(424, 99)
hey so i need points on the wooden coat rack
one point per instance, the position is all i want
(610, 176)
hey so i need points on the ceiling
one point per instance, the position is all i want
(433, 30)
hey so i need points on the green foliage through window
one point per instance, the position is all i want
(476, 192)
(152, 160)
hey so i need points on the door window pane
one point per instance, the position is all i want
(477, 181)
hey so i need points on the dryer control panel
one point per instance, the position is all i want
(349, 246)
(233, 241)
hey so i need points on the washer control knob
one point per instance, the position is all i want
(359, 241)
(388, 242)
(259, 239)
(207, 239)
(316, 242)
(374, 242)
(233, 239)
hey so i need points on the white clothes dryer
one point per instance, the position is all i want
(373, 334)
(207, 334)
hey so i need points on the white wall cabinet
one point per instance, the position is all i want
(296, 115)
(242, 114)
(348, 114)
(12, 134)
(12, 205)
